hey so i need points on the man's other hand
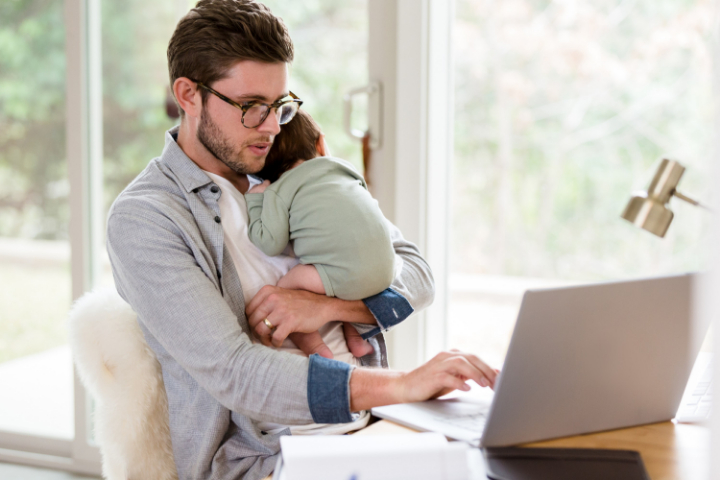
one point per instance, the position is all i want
(288, 311)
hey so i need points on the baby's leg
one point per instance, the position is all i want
(306, 277)
(311, 343)
(357, 346)
(303, 277)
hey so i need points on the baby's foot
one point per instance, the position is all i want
(357, 346)
(311, 343)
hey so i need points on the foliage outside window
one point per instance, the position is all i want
(562, 109)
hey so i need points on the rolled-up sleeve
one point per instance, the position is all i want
(159, 275)
(329, 390)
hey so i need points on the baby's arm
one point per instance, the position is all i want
(269, 221)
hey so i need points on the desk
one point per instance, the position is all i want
(670, 451)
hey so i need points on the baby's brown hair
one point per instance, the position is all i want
(296, 141)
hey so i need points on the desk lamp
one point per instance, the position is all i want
(648, 210)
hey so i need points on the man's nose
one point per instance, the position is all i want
(271, 125)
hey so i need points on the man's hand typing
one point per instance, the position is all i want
(445, 372)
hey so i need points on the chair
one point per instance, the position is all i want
(122, 374)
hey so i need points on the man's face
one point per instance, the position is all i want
(220, 129)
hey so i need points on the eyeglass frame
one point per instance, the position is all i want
(245, 108)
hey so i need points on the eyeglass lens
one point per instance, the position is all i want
(257, 114)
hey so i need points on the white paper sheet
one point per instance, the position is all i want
(374, 457)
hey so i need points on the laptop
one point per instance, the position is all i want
(581, 359)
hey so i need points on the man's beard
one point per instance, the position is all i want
(210, 136)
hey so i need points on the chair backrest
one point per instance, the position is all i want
(124, 377)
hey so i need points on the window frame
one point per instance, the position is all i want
(410, 53)
(84, 144)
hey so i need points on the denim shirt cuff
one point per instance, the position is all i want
(328, 390)
(389, 308)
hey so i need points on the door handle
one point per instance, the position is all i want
(373, 90)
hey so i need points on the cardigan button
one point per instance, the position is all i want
(217, 219)
(214, 189)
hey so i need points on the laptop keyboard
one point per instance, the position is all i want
(474, 422)
(697, 400)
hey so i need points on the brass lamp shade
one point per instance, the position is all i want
(648, 214)
(648, 210)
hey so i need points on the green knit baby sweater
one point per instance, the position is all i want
(323, 207)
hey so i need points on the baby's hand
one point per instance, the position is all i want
(260, 188)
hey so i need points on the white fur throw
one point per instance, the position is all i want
(122, 374)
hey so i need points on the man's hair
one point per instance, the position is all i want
(296, 141)
(216, 34)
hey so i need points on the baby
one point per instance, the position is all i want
(338, 232)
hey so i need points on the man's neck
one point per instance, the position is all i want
(207, 161)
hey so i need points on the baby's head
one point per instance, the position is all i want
(299, 139)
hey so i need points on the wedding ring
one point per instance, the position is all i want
(268, 324)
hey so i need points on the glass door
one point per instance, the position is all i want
(331, 49)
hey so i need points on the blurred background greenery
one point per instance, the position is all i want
(562, 109)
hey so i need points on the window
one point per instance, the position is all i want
(562, 110)
(34, 212)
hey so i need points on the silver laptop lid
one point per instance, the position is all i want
(592, 358)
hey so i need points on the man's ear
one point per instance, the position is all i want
(187, 95)
(321, 146)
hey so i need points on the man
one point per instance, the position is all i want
(171, 264)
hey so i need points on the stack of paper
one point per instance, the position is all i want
(373, 457)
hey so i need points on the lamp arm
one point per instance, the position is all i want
(690, 200)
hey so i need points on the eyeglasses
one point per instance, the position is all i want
(255, 113)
